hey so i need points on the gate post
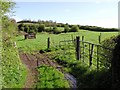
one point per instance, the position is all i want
(99, 38)
(91, 53)
(48, 43)
(78, 48)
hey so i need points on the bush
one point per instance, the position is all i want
(41, 27)
(31, 31)
(66, 28)
(109, 43)
(56, 31)
(116, 64)
(26, 28)
(21, 27)
(74, 28)
(48, 30)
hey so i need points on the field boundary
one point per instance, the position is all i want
(93, 53)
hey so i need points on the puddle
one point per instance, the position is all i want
(72, 80)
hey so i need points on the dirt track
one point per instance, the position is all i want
(34, 60)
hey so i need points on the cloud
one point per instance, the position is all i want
(104, 12)
(67, 10)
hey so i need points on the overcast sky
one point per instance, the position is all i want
(103, 13)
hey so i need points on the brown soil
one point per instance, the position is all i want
(32, 61)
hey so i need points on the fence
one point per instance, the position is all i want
(94, 55)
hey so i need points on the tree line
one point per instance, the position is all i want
(34, 28)
(99, 29)
(53, 27)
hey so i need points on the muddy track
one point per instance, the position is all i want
(34, 60)
(31, 70)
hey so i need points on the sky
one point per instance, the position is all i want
(103, 13)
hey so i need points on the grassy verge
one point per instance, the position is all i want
(13, 71)
(49, 77)
(0, 58)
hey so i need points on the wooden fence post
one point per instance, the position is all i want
(78, 47)
(26, 35)
(91, 53)
(83, 48)
(97, 58)
(99, 38)
(48, 43)
(82, 38)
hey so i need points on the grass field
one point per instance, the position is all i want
(41, 39)
(80, 70)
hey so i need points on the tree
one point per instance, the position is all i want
(41, 27)
(21, 27)
(6, 6)
(74, 28)
(36, 28)
(66, 28)
(26, 28)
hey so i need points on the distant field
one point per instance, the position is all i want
(59, 28)
(41, 40)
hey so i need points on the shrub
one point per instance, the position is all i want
(26, 28)
(31, 31)
(66, 28)
(48, 30)
(109, 43)
(41, 27)
(56, 31)
(21, 27)
(74, 28)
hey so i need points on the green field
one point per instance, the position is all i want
(41, 39)
(66, 57)
(31, 64)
